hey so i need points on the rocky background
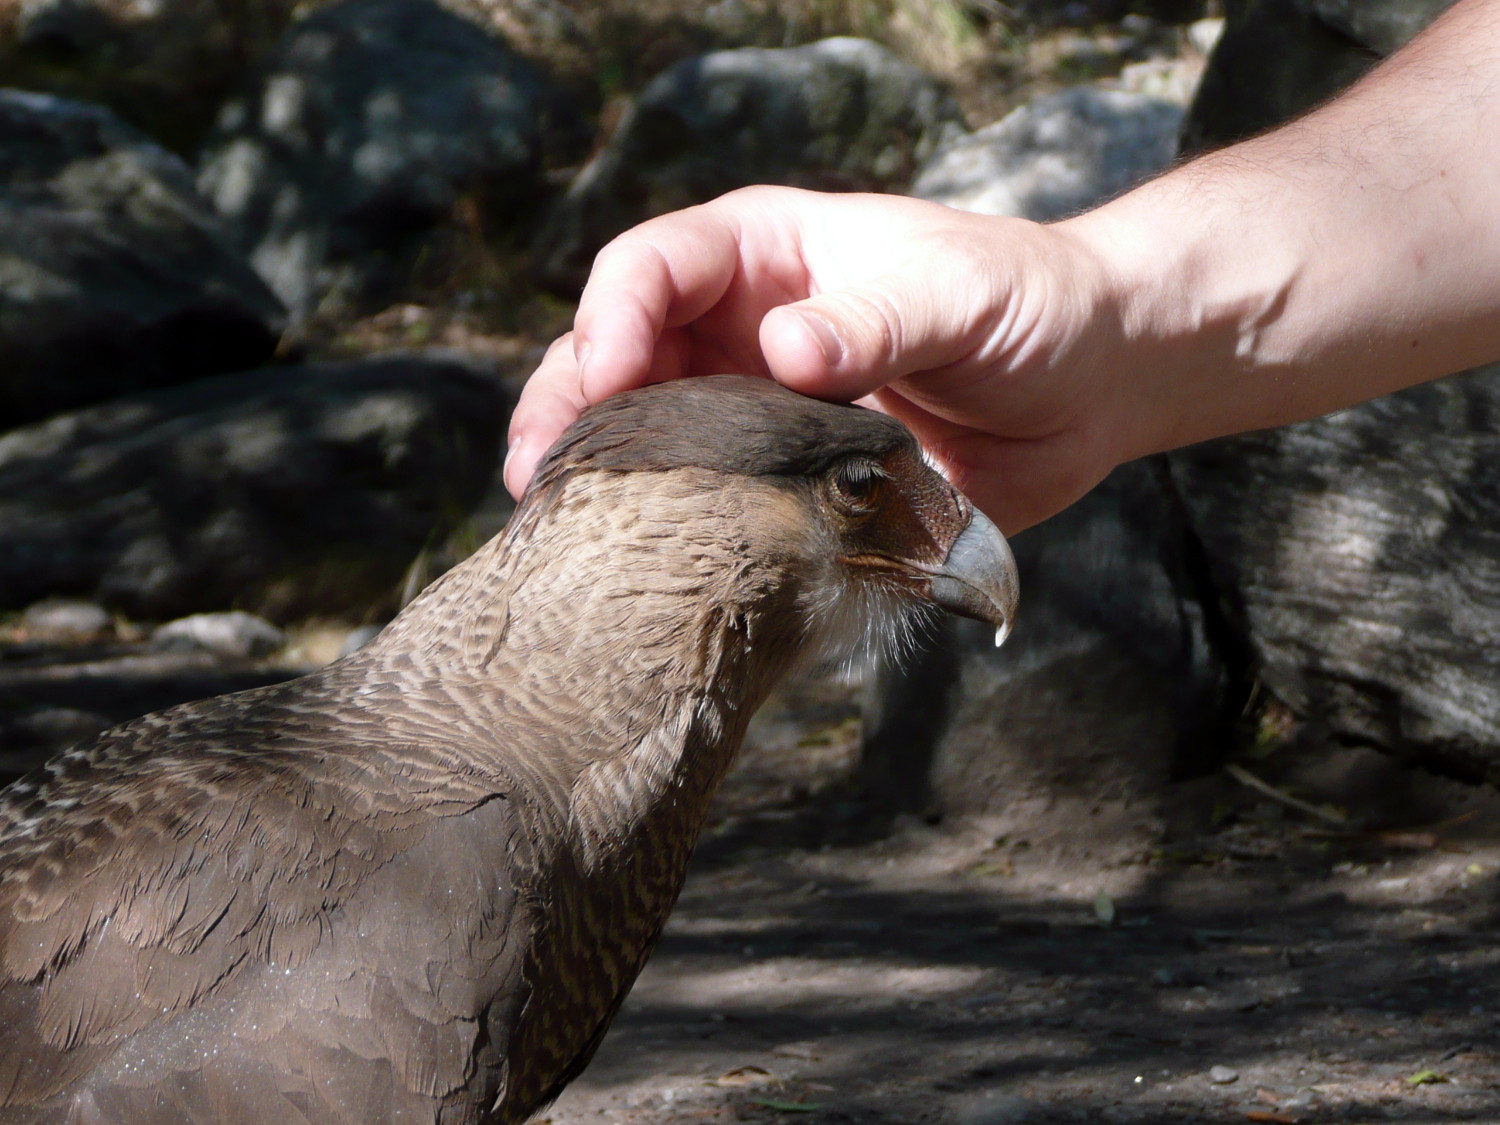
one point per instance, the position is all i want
(271, 275)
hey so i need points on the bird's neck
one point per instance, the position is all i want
(607, 654)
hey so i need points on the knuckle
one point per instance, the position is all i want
(880, 318)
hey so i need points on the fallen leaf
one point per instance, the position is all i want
(984, 869)
(797, 1051)
(742, 1076)
(1273, 1116)
(788, 1107)
(1426, 1078)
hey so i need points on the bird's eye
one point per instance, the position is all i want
(858, 485)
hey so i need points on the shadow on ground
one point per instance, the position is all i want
(819, 970)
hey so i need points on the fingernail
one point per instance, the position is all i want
(828, 340)
(510, 455)
(505, 465)
(582, 355)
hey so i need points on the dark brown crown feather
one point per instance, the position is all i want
(733, 423)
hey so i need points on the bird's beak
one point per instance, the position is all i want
(978, 579)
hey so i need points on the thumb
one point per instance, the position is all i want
(849, 342)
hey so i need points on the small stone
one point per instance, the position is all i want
(1204, 34)
(358, 638)
(1165, 977)
(1223, 1075)
(236, 635)
(59, 619)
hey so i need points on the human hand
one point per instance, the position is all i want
(991, 338)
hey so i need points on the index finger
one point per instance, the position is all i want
(549, 403)
(660, 275)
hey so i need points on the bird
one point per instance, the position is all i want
(417, 884)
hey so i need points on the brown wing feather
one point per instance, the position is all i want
(211, 875)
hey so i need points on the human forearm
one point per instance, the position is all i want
(1351, 253)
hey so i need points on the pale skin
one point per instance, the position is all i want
(1349, 254)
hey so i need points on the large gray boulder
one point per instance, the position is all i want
(288, 491)
(1116, 679)
(162, 65)
(1279, 58)
(114, 275)
(367, 126)
(1056, 155)
(1363, 553)
(839, 114)
(1359, 551)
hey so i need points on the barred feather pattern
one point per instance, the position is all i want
(417, 885)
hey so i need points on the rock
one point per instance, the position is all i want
(162, 65)
(1363, 553)
(237, 635)
(33, 735)
(359, 637)
(286, 491)
(577, 44)
(371, 123)
(1204, 34)
(63, 619)
(1358, 548)
(1056, 155)
(1173, 80)
(1112, 683)
(1279, 58)
(840, 114)
(1222, 1075)
(1381, 25)
(114, 276)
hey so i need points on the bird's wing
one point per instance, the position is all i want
(209, 844)
(400, 1013)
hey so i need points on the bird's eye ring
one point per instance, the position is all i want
(858, 485)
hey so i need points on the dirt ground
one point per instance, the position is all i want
(828, 963)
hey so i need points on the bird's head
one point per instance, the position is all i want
(819, 523)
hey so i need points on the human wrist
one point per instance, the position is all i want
(1199, 288)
